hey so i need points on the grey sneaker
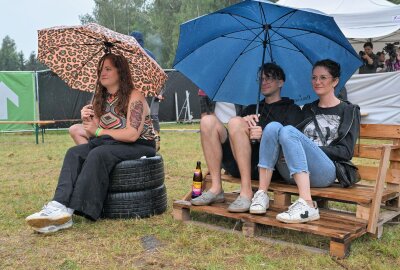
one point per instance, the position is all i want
(208, 198)
(54, 228)
(259, 203)
(240, 205)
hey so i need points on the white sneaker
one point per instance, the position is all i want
(299, 212)
(54, 228)
(53, 213)
(259, 203)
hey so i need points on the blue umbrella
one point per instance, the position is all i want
(222, 52)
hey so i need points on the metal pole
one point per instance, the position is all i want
(176, 107)
(188, 106)
(260, 79)
(37, 112)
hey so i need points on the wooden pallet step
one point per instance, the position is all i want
(331, 224)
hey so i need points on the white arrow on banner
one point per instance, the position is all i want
(6, 93)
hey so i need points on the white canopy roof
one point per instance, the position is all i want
(358, 19)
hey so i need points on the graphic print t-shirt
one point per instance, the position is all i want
(329, 120)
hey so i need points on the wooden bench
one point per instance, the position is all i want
(36, 125)
(376, 197)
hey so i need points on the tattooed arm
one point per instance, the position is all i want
(137, 111)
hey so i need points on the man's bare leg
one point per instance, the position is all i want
(78, 134)
(213, 134)
(241, 148)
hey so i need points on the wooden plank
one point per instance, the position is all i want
(387, 215)
(187, 196)
(281, 198)
(337, 193)
(370, 173)
(363, 211)
(249, 229)
(356, 194)
(374, 131)
(339, 250)
(44, 122)
(376, 201)
(366, 151)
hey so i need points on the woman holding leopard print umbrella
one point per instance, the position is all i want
(120, 128)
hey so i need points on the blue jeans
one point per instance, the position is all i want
(301, 155)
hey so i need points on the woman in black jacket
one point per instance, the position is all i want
(304, 155)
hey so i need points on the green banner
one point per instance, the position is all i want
(17, 99)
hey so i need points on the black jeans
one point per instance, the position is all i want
(84, 177)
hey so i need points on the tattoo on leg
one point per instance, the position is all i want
(136, 109)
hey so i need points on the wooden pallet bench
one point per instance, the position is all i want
(376, 197)
(36, 125)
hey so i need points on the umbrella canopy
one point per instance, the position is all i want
(222, 52)
(73, 54)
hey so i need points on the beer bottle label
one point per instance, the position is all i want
(196, 189)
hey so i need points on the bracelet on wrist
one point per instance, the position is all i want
(98, 130)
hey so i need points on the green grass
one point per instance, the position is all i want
(29, 175)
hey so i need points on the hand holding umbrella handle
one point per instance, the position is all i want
(87, 112)
(255, 131)
(254, 126)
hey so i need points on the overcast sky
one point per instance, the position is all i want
(20, 19)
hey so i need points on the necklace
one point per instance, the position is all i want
(111, 97)
(262, 110)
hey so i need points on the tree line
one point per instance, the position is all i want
(158, 20)
(12, 60)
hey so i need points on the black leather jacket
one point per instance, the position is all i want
(342, 148)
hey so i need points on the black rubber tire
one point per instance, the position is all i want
(137, 204)
(136, 175)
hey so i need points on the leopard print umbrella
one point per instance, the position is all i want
(74, 52)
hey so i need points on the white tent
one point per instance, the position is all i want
(359, 20)
(362, 20)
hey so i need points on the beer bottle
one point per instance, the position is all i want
(197, 181)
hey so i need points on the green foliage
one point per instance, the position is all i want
(9, 58)
(158, 20)
(33, 64)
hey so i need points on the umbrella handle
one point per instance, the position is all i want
(253, 141)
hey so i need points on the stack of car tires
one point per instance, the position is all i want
(136, 189)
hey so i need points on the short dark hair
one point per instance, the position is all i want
(274, 70)
(368, 44)
(380, 53)
(332, 67)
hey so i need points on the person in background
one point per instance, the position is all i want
(370, 60)
(119, 126)
(207, 106)
(393, 63)
(305, 156)
(231, 148)
(224, 111)
(381, 62)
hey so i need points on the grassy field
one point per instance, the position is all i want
(29, 175)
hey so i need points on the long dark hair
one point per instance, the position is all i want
(125, 85)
